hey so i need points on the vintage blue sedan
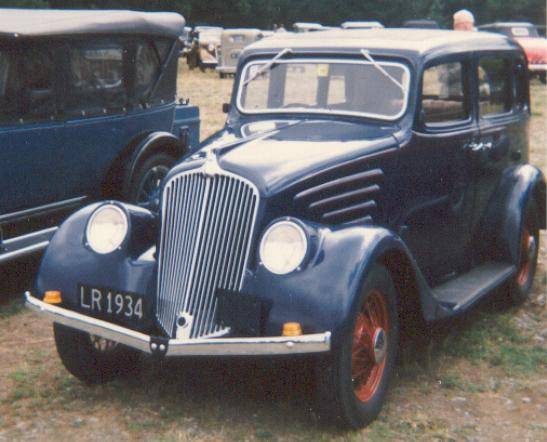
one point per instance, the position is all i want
(365, 181)
(88, 111)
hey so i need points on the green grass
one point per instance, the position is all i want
(13, 307)
(495, 339)
(24, 384)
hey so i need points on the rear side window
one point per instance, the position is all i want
(443, 94)
(27, 80)
(147, 68)
(495, 92)
(11, 87)
(96, 78)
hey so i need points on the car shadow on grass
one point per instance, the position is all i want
(270, 391)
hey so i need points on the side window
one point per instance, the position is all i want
(443, 94)
(495, 92)
(39, 83)
(521, 84)
(147, 67)
(11, 87)
(26, 85)
(96, 78)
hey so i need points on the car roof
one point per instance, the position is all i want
(508, 24)
(408, 41)
(55, 22)
(357, 24)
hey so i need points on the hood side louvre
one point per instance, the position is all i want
(342, 196)
(351, 196)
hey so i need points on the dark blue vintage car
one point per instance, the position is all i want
(364, 182)
(88, 111)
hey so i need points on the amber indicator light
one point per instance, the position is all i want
(53, 297)
(292, 329)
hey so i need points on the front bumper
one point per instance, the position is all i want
(259, 346)
(226, 69)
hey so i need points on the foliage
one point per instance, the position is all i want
(265, 13)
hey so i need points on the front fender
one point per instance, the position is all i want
(502, 223)
(322, 295)
(69, 262)
(155, 141)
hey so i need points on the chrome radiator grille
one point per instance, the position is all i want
(207, 226)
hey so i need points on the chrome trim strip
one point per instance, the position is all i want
(15, 239)
(23, 252)
(272, 345)
(39, 209)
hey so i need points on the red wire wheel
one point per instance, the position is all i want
(528, 245)
(369, 349)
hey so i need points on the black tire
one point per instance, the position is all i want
(146, 179)
(522, 283)
(92, 366)
(343, 398)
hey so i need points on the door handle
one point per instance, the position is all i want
(476, 148)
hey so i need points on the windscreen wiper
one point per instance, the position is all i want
(367, 55)
(268, 65)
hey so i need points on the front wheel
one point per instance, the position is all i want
(92, 359)
(144, 185)
(353, 380)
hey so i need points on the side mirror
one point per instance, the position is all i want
(226, 107)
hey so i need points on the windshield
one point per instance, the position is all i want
(350, 87)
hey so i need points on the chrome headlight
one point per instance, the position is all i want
(283, 247)
(107, 229)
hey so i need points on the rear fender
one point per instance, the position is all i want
(501, 226)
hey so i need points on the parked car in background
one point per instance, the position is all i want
(307, 27)
(203, 53)
(361, 25)
(186, 38)
(392, 189)
(232, 43)
(421, 24)
(528, 37)
(88, 112)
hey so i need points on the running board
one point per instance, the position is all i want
(20, 246)
(463, 291)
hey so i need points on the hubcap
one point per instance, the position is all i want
(379, 344)
(528, 246)
(150, 183)
(370, 346)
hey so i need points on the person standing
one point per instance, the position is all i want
(464, 20)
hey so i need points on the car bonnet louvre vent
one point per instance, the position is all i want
(338, 198)
(206, 231)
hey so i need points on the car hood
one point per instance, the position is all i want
(277, 154)
(535, 49)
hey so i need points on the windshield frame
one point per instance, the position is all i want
(381, 62)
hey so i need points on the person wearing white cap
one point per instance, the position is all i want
(464, 20)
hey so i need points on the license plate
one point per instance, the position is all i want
(111, 303)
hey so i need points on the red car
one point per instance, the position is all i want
(526, 34)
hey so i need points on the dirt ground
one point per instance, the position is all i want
(480, 377)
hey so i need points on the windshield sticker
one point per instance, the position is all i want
(322, 70)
